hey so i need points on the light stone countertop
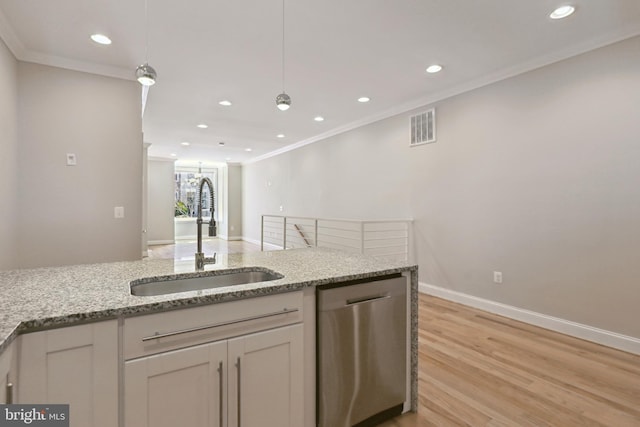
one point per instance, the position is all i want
(44, 298)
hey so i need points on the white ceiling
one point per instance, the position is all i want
(336, 51)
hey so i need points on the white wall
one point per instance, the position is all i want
(66, 213)
(535, 176)
(8, 155)
(161, 201)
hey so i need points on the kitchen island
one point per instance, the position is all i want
(50, 298)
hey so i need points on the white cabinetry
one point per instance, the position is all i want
(237, 364)
(178, 388)
(267, 389)
(75, 365)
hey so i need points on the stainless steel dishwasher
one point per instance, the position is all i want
(362, 349)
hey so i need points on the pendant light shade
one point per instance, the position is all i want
(283, 101)
(146, 75)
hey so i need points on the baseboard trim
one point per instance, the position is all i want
(567, 327)
(254, 241)
(160, 242)
(266, 245)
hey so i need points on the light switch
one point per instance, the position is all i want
(71, 159)
(118, 212)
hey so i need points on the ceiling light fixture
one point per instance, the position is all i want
(248, 149)
(185, 143)
(202, 126)
(145, 73)
(101, 39)
(280, 135)
(318, 119)
(562, 12)
(283, 101)
(225, 103)
(364, 99)
(435, 68)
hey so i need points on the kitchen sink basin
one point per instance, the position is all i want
(217, 279)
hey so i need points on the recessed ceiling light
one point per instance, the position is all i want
(435, 68)
(100, 39)
(173, 154)
(318, 118)
(562, 12)
(364, 99)
(202, 126)
(280, 135)
(221, 143)
(248, 149)
(185, 143)
(225, 103)
(228, 158)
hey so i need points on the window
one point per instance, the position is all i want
(187, 182)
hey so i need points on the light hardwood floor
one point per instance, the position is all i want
(480, 369)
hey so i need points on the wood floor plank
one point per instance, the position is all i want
(480, 369)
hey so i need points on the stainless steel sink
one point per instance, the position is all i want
(217, 279)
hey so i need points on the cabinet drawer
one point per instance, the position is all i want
(155, 333)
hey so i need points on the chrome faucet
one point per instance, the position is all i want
(201, 260)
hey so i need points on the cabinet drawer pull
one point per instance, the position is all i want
(221, 408)
(217, 325)
(239, 393)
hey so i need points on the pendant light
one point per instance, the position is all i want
(145, 73)
(283, 101)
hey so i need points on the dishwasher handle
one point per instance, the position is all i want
(362, 300)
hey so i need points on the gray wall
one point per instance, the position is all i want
(535, 176)
(161, 201)
(8, 156)
(234, 201)
(229, 215)
(66, 213)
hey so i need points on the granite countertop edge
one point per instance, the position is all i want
(49, 320)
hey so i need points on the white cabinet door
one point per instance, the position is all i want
(178, 388)
(76, 365)
(266, 379)
(198, 386)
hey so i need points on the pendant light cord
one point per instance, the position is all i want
(282, 46)
(146, 33)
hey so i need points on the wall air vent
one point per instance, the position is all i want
(423, 128)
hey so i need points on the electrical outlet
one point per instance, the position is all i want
(497, 277)
(118, 212)
(71, 159)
